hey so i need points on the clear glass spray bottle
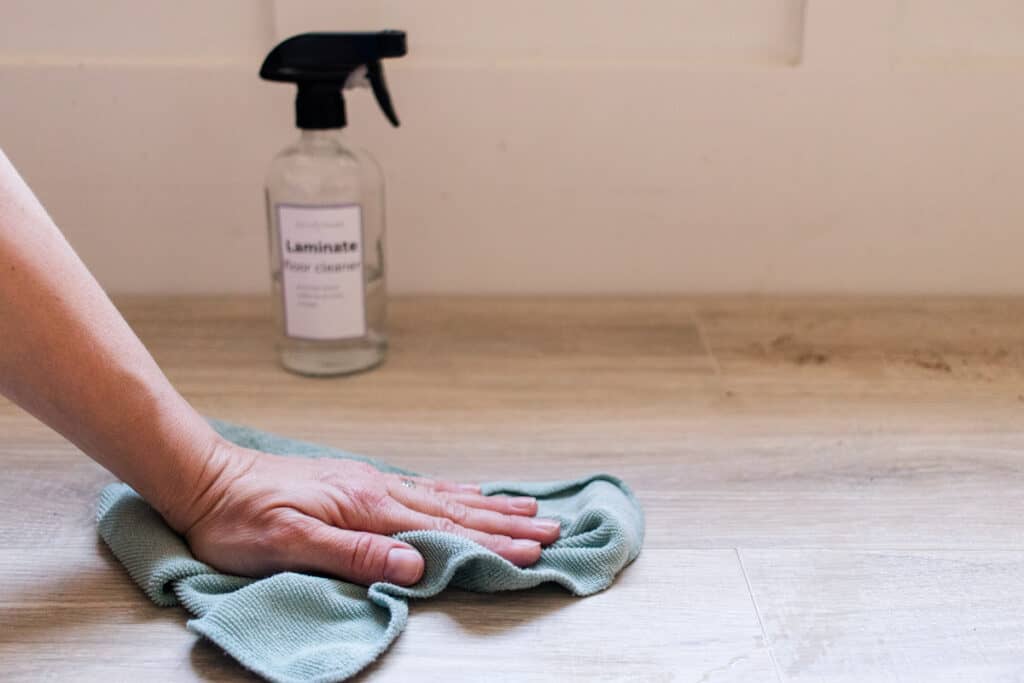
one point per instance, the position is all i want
(325, 209)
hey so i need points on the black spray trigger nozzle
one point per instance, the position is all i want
(375, 74)
(322, 64)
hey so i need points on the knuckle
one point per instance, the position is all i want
(369, 500)
(499, 542)
(290, 528)
(330, 477)
(286, 530)
(446, 525)
(365, 557)
(454, 510)
(517, 527)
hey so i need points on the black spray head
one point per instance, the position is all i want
(321, 63)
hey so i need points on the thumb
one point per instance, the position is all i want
(360, 557)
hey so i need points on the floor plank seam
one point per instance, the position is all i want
(757, 613)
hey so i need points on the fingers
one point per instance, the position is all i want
(438, 485)
(519, 551)
(502, 524)
(469, 494)
(507, 505)
(442, 505)
(355, 556)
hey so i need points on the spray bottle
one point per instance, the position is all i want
(325, 208)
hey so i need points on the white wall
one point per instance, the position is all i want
(571, 146)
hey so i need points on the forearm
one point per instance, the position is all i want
(68, 357)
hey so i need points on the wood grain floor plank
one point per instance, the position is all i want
(699, 624)
(874, 494)
(929, 616)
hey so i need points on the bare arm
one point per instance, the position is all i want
(69, 358)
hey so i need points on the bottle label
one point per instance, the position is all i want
(322, 271)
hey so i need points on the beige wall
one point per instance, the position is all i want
(571, 146)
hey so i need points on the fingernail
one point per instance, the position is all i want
(469, 488)
(547, 526)
(403, 566)
(525, 543)
(527, 505)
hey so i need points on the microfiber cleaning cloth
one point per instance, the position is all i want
(296, 627)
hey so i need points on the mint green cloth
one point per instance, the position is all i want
(298, 627)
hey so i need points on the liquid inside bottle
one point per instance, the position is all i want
(325, 210)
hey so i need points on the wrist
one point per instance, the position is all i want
(188, 472)
(207, 471)
(172, 457)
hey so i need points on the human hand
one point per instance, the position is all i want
(259, 513)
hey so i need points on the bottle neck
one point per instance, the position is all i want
(320, 135)
(322, 138)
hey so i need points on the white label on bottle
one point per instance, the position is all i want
(322, 271)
